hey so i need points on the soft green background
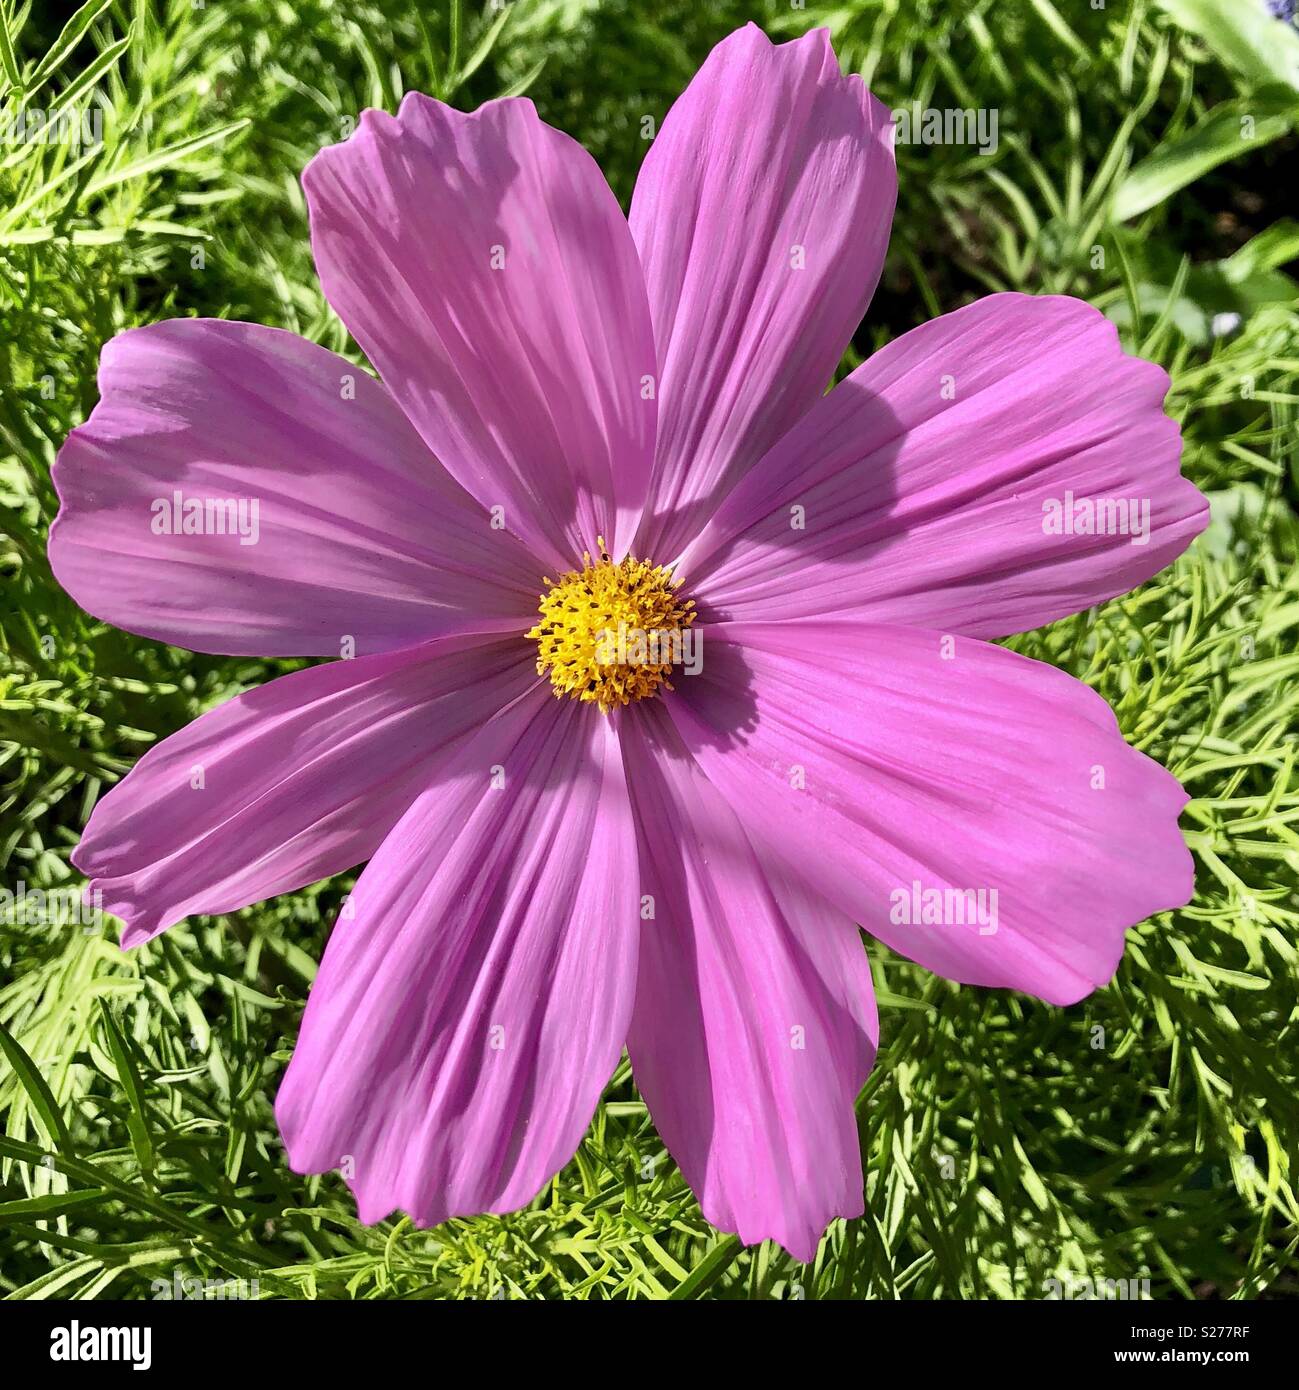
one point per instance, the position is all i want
(1149, 1132)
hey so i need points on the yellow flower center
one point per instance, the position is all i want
(609, 633)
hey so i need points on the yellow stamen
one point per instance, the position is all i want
(596, 618)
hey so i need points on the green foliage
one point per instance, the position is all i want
(1150, 1132)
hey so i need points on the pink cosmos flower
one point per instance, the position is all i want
(669, 862)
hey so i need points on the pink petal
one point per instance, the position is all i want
(466, 1018)
(359, 532)
(487, 271)
(871, 762)
(927, 509)
(755, 1022)
(289, 783)
(762, 214)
